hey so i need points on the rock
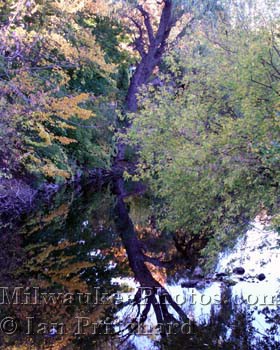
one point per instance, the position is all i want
(239, 270)
(261, 277)
(198, 273)
(221, 274)
(189, 284)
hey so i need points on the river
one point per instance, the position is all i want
(90, 270)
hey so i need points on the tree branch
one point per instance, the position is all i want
(155, 261)
(182, 33)
(139, 42)
(147, 22)
(265, 85)
(277, 50)
(165, 23)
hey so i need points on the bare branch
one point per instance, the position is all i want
(265, 85)
(139, 42)
(221, 45)
(277, 50)
(147, 21)
(182, 33)
(271, 63)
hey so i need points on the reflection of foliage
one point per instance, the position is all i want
(58, 265)
(69, 247)
(66, 239)
(57, 243)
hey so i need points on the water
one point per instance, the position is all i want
(73, 276)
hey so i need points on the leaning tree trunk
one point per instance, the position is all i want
(151, 54)
(143, 71)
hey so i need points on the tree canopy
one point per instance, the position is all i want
(209, 136)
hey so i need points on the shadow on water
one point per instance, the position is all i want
(63, 279)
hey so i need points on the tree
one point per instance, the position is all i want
(44, 47)
(153, 34)
(208, 141)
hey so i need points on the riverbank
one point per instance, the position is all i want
(18, 197)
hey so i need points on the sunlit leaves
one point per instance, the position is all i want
(43, 47)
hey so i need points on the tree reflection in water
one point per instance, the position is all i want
(151, 291)
(74, 244)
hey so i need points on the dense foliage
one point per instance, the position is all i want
(207, 128)
(57, 85)
(209, 136)
(183, 96)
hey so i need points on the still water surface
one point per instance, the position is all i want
(81, 272)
